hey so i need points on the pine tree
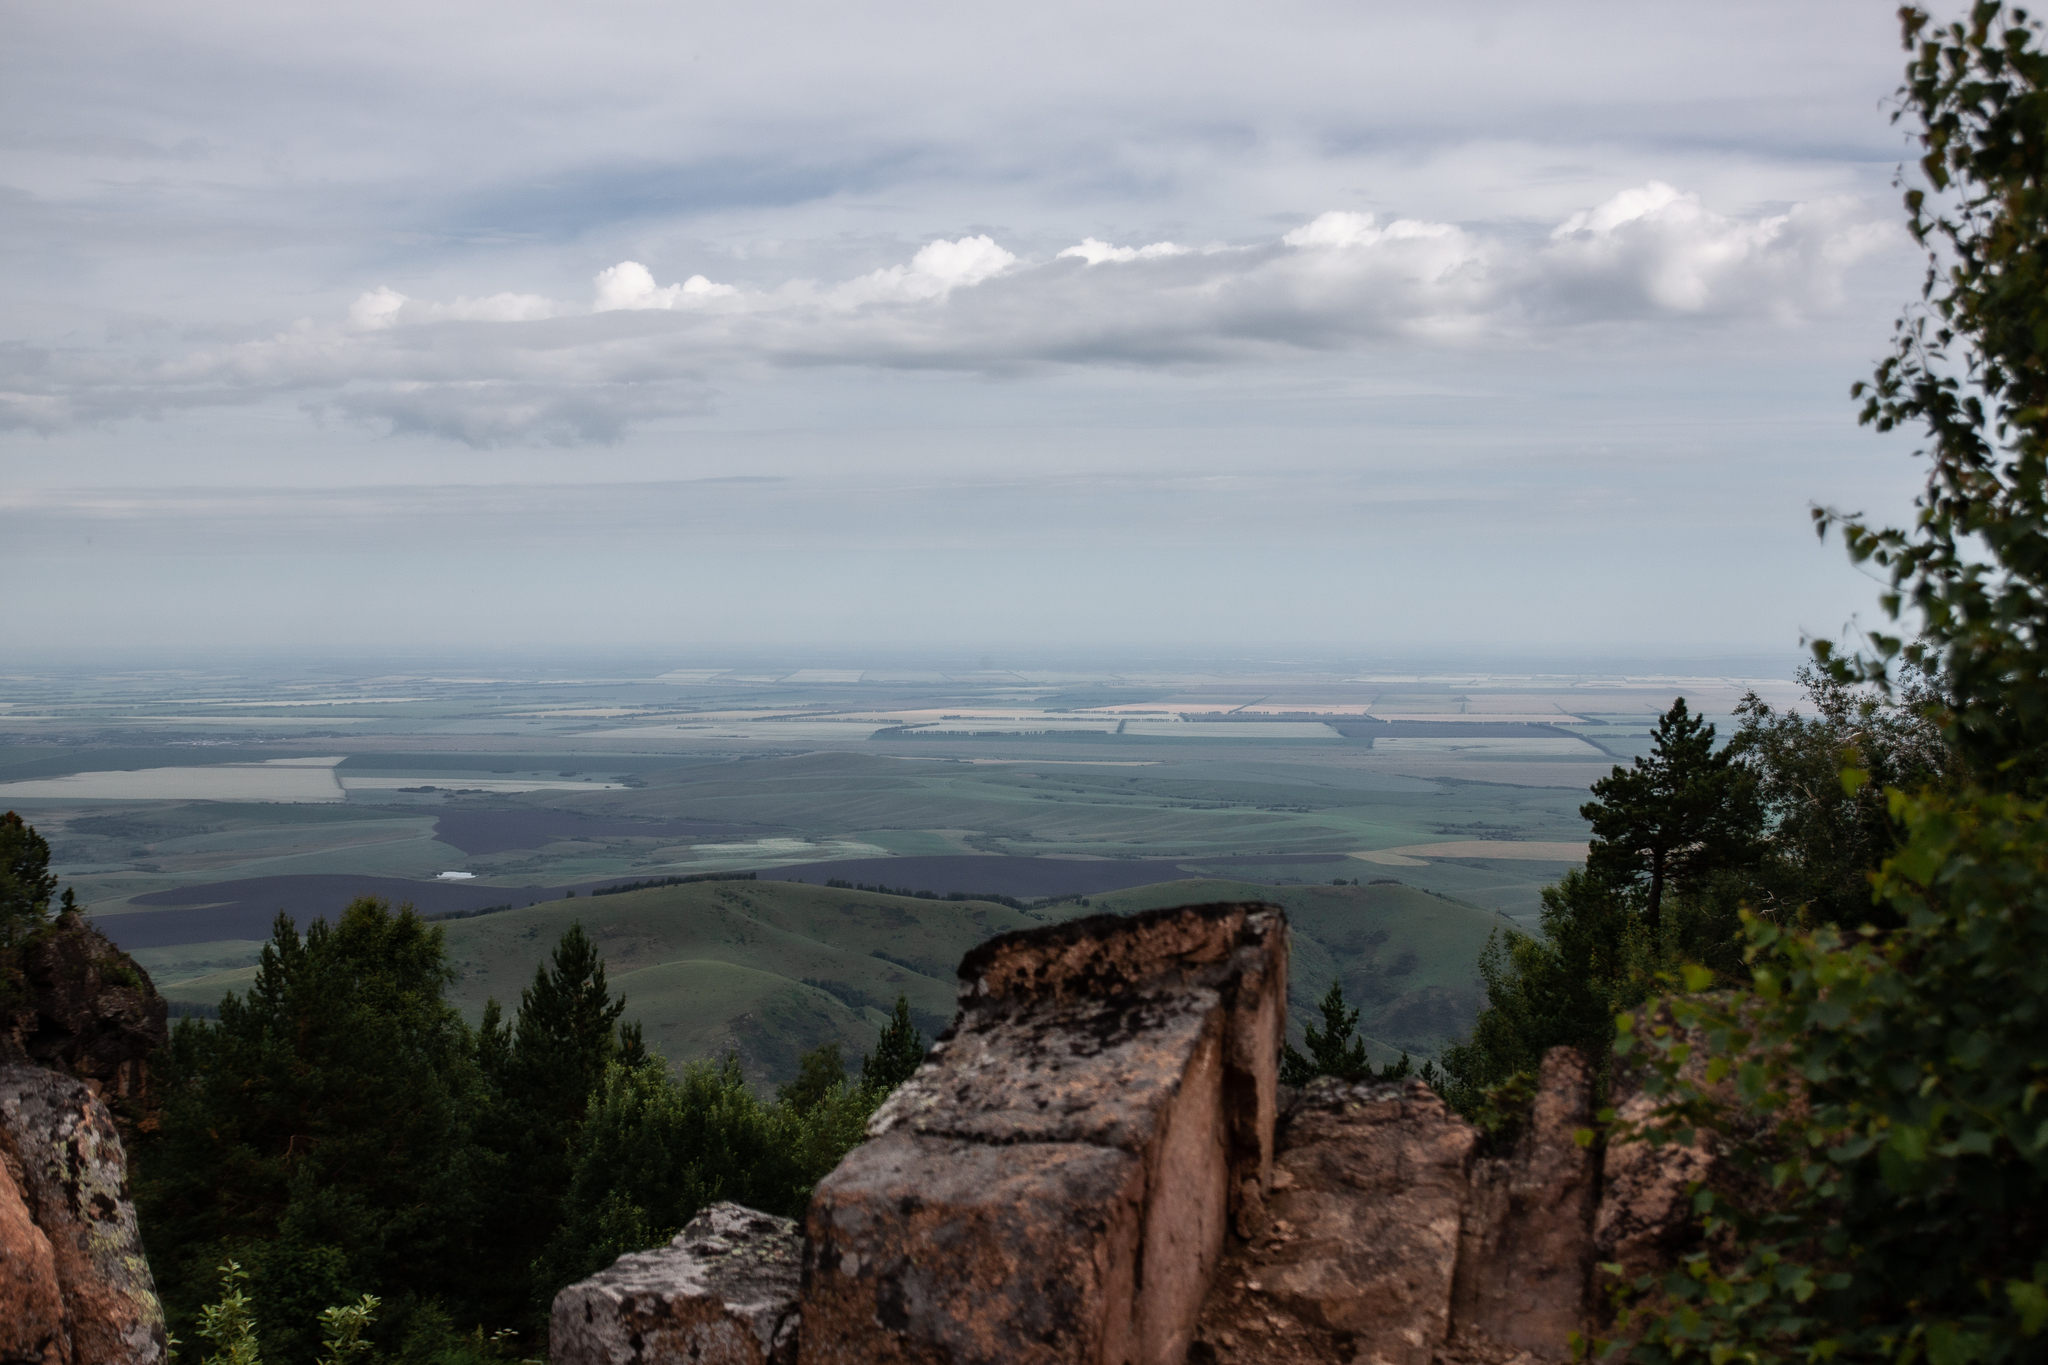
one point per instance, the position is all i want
(1562, 988)
(632, 1051)
(324, 1129)
(26, 883)
(1332, 1049)
(897, 1053)
(1677, 816)
(820, 1073)
(553, 1061)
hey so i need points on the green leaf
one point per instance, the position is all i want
(2030, 1299)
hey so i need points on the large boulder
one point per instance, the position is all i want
(724, 1292)
(1056, 1182)
(63, 1155)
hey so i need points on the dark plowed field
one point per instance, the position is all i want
(477, 832)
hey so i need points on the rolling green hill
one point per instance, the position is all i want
(770, 969)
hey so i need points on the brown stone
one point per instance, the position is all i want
(1525, 1266)
(1056, 1182)
(32, 1323)
(73, 1179)
(1099, 1072)
(1646, 1218)
(723, 1292)
(935, 1250)
(86, 1009)
(1368, 1194)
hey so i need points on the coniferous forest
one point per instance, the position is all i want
(340, 1131)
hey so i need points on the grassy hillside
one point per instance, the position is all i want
(1407, 958)
(719, 965)
(769, 969)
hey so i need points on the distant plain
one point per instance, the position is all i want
(185, 808)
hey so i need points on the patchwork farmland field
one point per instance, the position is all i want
(184, 811)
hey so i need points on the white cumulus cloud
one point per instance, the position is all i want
(385, 307)
(630, 285)
(1654, 249)
(1096, 252)
(527, 369)
(934, 272)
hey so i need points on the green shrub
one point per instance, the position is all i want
(1887, 1091)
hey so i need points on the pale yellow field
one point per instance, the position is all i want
(1482, 746)
(283, 779)
(1415, 855)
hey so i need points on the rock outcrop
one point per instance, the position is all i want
(1395, 1241)
(723, 1292)
(1056, 1181)
(79, 1005)
(1059, 1182)
(32, 1319)
(1525, 1264)
(66, 1225)
(1370, 1191)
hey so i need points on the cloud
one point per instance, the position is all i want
(1095, 252)
(511, 368)
(936, 271)
(630, 284)
(1654, 250)
(386, 307)
(486, 414)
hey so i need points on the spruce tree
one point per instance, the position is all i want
(26, 884)
(552, 1062)
(1332, 1049)
(897, 1053)
(1679, 815)
(820, 1073)
(323, 1131)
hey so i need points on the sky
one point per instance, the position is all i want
(1387, 328)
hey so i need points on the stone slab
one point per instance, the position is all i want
(723, 1292)
(1526, 1262)
(936, 1250)
(33, 1324)
(1102, 1072)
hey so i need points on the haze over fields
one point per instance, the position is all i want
(1401, 817)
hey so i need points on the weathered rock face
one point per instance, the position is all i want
(83, 1007)
(1056, 1182)
(64, 1160)
(32, 1323)
(1372, 1187)
(724, 1292)
(1059, 1181)
(1525, 1267)
(1645, 1218)
(1394, 1240)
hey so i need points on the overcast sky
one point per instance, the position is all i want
(1389, 327)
